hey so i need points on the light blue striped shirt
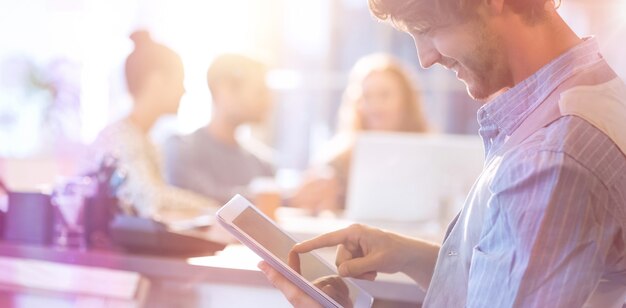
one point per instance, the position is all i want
(550, 223)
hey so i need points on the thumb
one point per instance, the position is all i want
(290, 290)
(357, 267)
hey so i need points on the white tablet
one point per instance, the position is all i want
(264, 237)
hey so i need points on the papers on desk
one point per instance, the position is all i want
(112, 286)
(234, 256)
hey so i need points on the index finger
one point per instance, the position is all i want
(325, 240)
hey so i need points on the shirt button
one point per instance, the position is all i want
(452, 253)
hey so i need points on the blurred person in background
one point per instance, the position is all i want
(154, 76)
(211, 161)
(381, 96)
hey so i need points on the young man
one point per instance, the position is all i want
(210, 161)
(545, 225)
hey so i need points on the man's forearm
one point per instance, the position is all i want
(421, 263)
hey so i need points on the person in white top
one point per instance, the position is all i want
(154, 75)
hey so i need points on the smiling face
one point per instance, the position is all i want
(472, 50)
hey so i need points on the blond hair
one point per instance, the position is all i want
(350, 120)
(233, 68)
(421, 15)
(339, 151)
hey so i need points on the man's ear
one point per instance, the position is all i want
(216, 95)
(221, 93)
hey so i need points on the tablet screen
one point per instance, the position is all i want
(280, 244)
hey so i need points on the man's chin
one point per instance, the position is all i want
(474, 93)
(480, 94)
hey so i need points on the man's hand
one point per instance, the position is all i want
(332, 285)
(362, 252)
(336, 288)
(293, 294)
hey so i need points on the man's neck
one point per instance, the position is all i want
(222, 130)
(531, 48)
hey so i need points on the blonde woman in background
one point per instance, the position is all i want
(380, 96)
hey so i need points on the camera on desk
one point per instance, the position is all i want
(76, 214)
(29, 218)
(33, 218)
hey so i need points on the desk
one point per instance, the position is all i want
(230, 278)
(173, 282)
(213, 281)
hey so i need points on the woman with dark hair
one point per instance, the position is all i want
(154, 75)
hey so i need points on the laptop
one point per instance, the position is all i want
(406, 177)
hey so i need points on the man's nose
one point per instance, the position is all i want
(426, 51)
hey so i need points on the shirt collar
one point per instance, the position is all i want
(507, 111)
